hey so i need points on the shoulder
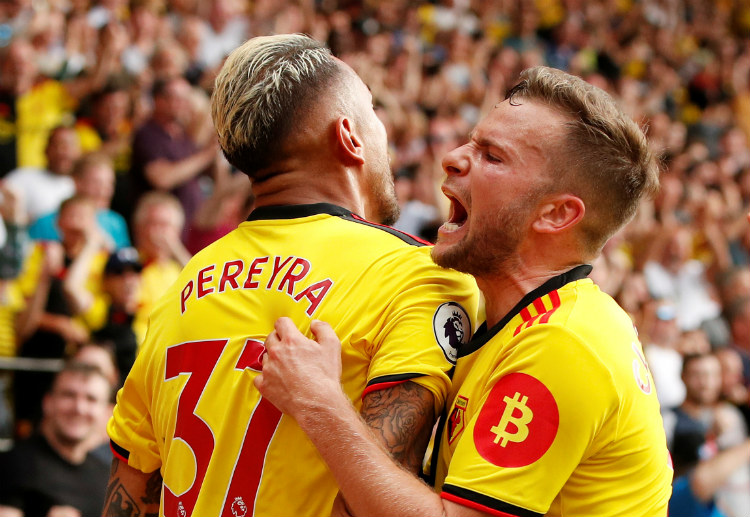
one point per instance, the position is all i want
(384, 230)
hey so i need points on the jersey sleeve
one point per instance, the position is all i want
(423, 326)
(130, 428)
(534, 424)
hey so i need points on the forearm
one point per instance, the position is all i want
(166, 175)
(29, 320)
(132, 492)
(711, 474)
(369, 479)
(74, 284)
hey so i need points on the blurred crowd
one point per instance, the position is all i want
(110, 176)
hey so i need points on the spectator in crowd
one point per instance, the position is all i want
(416, 216)
(675, 275)
(158, 223)
(165, 158)
(31, 105)
(738, 316)
(53, 473)
(226, 29)
(124, 325)
(700, 470)
(93, 177)
(228, 205)
(661, 335)
(101, 356)
(734, 386)
(13, 317)
(65, 283)
(112, 124)
(45, 189)
(704, 413)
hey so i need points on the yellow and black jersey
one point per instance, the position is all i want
(553, 411)
(189, 406)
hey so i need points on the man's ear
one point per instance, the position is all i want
(348, 142)
(559, 213)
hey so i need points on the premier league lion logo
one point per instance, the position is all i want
(452, 329)
(239, 508)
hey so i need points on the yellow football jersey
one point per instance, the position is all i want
(189, 406)
(554, 412)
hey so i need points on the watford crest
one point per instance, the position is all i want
(457, 418)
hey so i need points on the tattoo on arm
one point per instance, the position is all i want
(130, 495)
(402, 418)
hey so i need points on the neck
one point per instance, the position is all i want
(172, 127)
(503, 291)
(73, 452)
(694, 409)
(307, 186)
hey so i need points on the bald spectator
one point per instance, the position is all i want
(158, 222)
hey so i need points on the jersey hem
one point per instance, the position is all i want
(484, 503)
(388, 381)
(120, 452)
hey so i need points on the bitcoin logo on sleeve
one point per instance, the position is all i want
(521, 422)
(517, 423)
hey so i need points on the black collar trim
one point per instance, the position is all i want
(295, 211)
(483, 335)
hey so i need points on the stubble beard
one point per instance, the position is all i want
(490, 248)
(384, 197)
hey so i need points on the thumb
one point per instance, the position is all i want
(323, 332)
(258, 382)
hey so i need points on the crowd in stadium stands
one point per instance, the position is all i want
(111, 178)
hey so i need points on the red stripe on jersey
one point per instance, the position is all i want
(554, 297)
(475, 506)
(526, 324)
(382, 386)
(539, 306)
(526, 316)
(418, 239)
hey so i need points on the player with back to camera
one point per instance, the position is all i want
(191, 434)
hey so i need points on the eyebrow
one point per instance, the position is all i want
(504, 149)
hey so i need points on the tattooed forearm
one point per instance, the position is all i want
(131, 493)
(153, 489)
(402, 418)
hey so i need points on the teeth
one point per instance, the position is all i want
(451, 227)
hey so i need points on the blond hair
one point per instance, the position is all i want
(605, 158)
(265, 87)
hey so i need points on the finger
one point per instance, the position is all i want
(258, 381)
(323, 331)
(283, 326)
(271, 338)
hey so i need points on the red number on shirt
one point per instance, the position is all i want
(197, 360)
